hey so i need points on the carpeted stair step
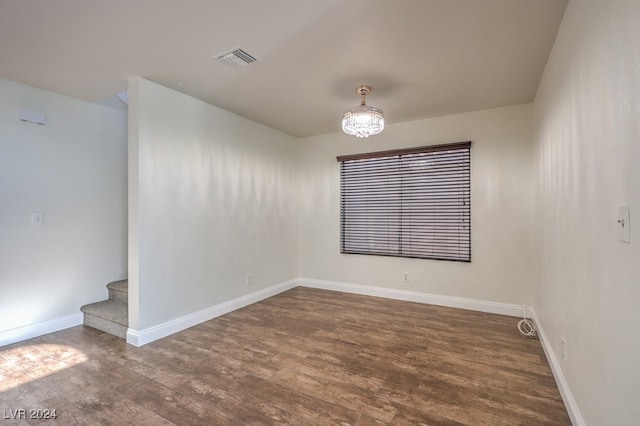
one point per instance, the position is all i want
(112, 315)
(119, 291)
(109, 316)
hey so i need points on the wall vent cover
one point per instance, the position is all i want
(237, 57)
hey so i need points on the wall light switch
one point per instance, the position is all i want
(624, 224)
(37, 218)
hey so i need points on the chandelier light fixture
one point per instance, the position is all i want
(364, 120)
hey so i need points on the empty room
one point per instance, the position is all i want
(319, 212)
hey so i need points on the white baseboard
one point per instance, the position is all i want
(148, 335)
(34, 330)
(412, 296)
(556, 369)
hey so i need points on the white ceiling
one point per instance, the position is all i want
(424, 58)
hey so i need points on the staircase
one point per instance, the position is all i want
(112, 315)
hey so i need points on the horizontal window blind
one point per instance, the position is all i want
(413, 202)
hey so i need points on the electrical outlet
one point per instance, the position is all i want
(563, 348)
(405, 277)
(248, 279)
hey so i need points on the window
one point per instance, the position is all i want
(412, 202)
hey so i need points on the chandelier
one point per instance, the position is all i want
(364, 120)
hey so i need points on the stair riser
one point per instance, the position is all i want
(105, 325)
(119, 296)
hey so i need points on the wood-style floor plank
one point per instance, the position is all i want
(306, 356)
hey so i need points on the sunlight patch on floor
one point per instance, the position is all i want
(24, 364)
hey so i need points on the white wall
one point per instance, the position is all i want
(501, 209)
(212, 198)
(587, 142)
(74, 170)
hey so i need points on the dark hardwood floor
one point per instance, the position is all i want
(305, 356)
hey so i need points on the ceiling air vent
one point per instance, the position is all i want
(237, 57)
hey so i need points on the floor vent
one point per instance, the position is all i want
(237, 57)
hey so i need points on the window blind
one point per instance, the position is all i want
(413, 202)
